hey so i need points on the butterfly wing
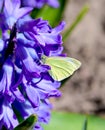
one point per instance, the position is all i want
(74, 62)
(62, 67)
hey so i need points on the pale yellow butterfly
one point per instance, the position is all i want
(61, 67)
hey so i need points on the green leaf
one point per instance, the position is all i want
(27, 124)
(78, 19)
(85, 124)
(72, 121)
(53, 15)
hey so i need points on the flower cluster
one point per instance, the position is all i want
(40, 3)
(25, 84)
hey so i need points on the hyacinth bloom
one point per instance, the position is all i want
(13, 12)
(25, 83)
(40, 3)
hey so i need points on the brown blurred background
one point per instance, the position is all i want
(85, 91)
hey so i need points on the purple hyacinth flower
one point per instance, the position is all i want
(43, 111)
(40, 3)
(25, 82)
(12, 11)
(7, 78)
(40, 31)
(7, 116)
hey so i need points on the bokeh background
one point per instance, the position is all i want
(84, 92)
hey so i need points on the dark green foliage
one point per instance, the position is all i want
(27, 124)
(85, 124)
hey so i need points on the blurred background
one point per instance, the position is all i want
(84, 92)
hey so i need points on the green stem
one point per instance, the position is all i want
(78, 19)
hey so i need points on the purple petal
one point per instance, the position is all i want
(53, 3)
(16, 4)
(59, 28)
(22, 12)
(8, 7)
(7, 78)
(18, 94)
(49, 87)
(11, 117)
(1, 4)
(33, 96)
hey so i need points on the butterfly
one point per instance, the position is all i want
(61, 67)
